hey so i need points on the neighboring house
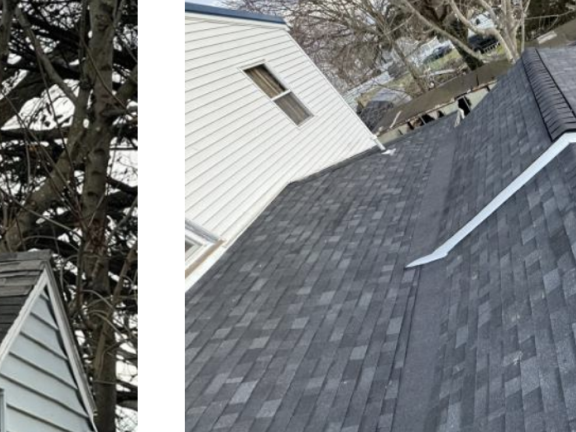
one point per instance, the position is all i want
(429, 288)
(259, 114)
(385, 100)
(560, 36)
(463, 92)
(353, 96)
(42, 382)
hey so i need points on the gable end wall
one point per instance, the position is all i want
(41, 392)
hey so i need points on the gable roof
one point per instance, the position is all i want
(23, 278)
(232, 13)
(311, 321)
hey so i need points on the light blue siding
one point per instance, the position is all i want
(40, 390)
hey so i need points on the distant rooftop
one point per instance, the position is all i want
(231, 13)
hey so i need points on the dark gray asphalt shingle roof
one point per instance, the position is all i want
(502, 137)
(19, 272)
(311, 322)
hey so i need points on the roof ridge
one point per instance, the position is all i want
(41, 255)
(556, 112)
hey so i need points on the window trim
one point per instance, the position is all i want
(283, 83)
(205, 239)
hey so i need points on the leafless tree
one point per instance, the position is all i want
(68, 139)
(350, 36)
(508, 16)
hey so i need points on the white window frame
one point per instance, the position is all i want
(196, 234)
(288, 90)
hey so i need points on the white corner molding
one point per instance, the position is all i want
(554, 150)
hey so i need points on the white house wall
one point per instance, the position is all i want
(40, 391)
(241, 149)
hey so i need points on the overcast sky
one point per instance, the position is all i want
(208, 2)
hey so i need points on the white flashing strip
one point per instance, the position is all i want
(554, 150)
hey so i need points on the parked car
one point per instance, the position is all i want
(438, 53)
(482, 44)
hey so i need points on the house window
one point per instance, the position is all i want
(199, 243)
(192, 247)
(278, 93)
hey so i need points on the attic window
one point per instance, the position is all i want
(278, 93)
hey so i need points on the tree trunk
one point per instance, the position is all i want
(459, 30)
(411, 68)
(94, 205)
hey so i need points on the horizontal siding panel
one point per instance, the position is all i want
(222, 88)
(194, 25)
(50, 411)
(294, 69)
(222, 102)
(26, 348)
(34, 379)
(212, 71)
(195, 49)
(195, 67)
(266, 167)
(218, 160)
(246, 128)
(217, 184)
(226, 50)
(19, 421)
(199, 34)
(33, 376)
(204, 127)
(235, 122)
(204, 84)
(263, 120)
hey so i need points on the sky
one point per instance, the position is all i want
(208, 2)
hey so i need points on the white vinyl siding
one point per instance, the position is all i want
(241, 148)
(40, 391)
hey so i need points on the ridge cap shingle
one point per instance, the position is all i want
(556, 111)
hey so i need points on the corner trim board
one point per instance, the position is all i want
(528, 174)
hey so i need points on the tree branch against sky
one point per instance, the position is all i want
(68, 177)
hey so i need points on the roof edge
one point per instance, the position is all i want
(232, 13)
(40, 255)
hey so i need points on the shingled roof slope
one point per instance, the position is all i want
(506, 345)
(311, 322)
(19, 273)
(298, 326)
